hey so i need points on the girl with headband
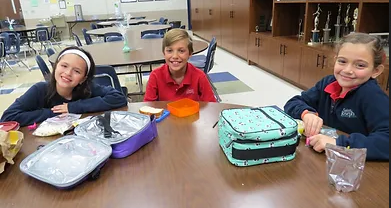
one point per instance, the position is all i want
(69, 90)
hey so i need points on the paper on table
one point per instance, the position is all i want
(9, 150)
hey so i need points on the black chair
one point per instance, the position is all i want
(77, 39)
(50, 51)
(43, 67)
(106, 76)
(87, 37)
(111, 35)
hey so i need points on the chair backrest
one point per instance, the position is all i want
(143, 23)
(77, 39)
(4, 24)
(150, 32)
(113, 39)
(50, 51)
(155, 23)
(106, 76)
(41, 34)
(94, 26)
(111, 34)
(151, 36)
(210, 55)
(15, 42)
(43, 67)
(53, 31)
(183, 27)
(87, 37)
(6, 40)
(2, 49)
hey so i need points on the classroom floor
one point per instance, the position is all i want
(235, 80)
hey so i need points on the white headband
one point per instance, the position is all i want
(79, 53)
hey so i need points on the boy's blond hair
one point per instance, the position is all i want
(175, 35)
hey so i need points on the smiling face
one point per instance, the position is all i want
(70, 71)
(177, 55)
(354, 65)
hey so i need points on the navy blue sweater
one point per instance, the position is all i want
(31, 106)
(363, 114)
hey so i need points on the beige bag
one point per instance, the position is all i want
(10, 144)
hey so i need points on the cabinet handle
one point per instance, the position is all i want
(317, 60)
(196, 10)
(256, 41)
(323, 62)
(280, 49)
(284, 50)
(210, 12)
(260, 42)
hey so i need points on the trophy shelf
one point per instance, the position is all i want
(289, 1)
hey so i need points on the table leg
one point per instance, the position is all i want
(70, 27)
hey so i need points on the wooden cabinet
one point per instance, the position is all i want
(383, 79)
(258, 50)
(291, 64)
(211, 20)
(315, 64)
(240, 14)
(253, 47)
(285, 58)
(197, 16)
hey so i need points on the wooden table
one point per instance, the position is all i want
(73, 22)
(185, 167)
(138, 28)
(131, 22)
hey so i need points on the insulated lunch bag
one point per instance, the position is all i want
(252, 136)
(126, 132)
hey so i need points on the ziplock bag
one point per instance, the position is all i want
(56, 125)
(345, 167)
(67, 161)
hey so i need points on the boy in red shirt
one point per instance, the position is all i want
(177, 78)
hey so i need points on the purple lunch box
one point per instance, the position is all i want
(125, 132)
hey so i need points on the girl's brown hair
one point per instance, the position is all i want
(175, 35)
(379, 56)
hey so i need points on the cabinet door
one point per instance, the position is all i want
(226, 25)
(216, 19)
(197, 9)
(275, 48)
(311, 61)
(263, 52)
(253, 47)
(327, 65)
(207, 24)
(292, 54)
(240, 27)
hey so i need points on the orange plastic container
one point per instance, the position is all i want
(183, 107)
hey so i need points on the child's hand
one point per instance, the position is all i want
(60, 108)
(319, 141)
(312, 124)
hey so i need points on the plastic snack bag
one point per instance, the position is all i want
(56, 125)
(345, 167)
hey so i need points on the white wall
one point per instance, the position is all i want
(97, 7)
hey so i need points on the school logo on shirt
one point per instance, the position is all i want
(189, 91)
(348, 113)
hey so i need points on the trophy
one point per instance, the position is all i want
(347, 21)
(326, 30)
(338, 24)
(315, 31)
(354, 22)
(300, 35)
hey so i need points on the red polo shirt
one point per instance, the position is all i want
(334, 89)
(162, 87)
